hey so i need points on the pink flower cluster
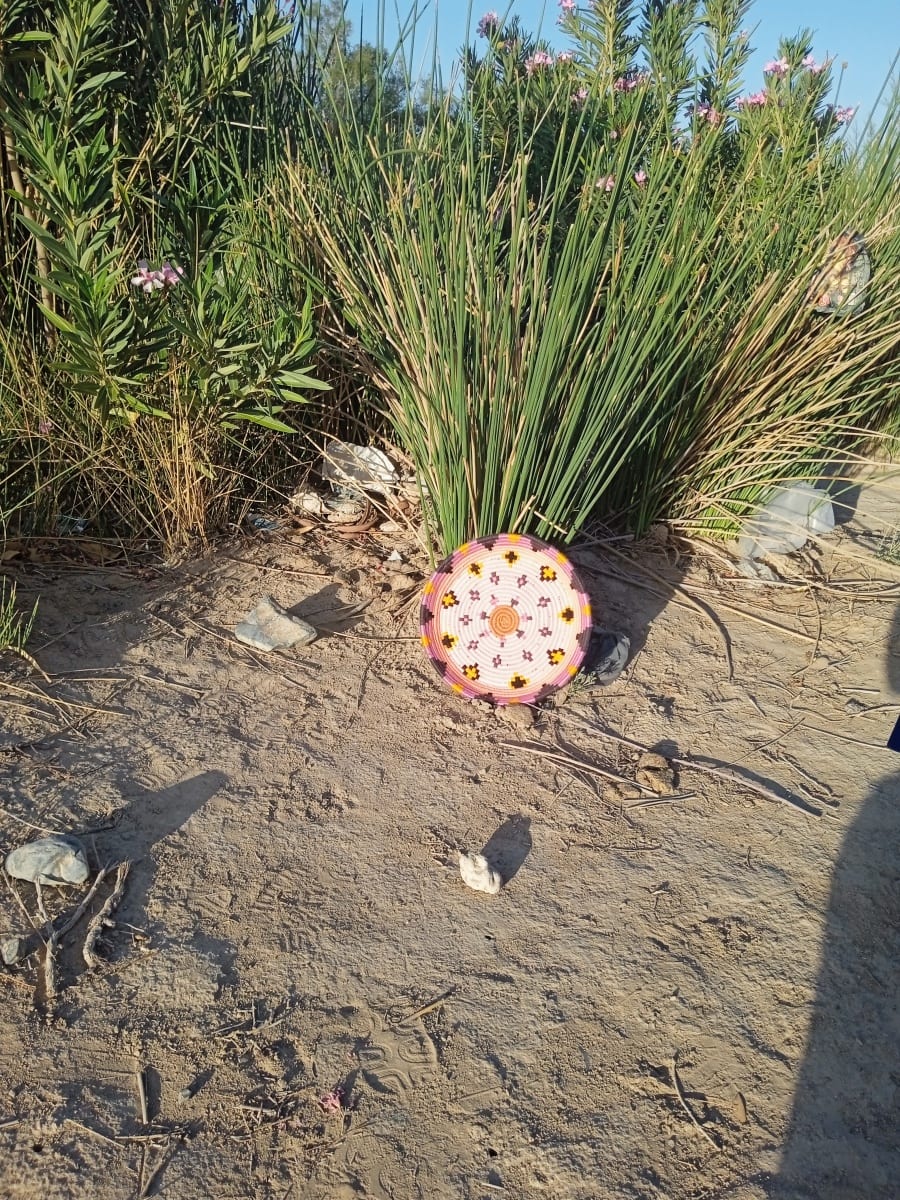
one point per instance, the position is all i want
(579, 97)
(565, 56)
(606, 183)
(778, 67)
(812, 66)
(707, 112)
(488, 25)
(567, 6)
(640, 177)
(628, 83)
(538, 61)
(754, 100)
(843, 116)
(149, 280)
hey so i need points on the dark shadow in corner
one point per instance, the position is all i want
(842, 1141)
(508, 847)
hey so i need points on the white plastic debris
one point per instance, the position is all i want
(366, 467)
(394, 557)
(787, 520)
(308, 502)
(270, 627)
(478, 874)
(53, 861)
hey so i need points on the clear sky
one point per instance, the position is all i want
(864, 34)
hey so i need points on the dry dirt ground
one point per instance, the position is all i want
(294, 917)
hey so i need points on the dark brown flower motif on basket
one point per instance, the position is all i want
(567, 615)
(518, 682)
(511, 557)
(450, 599)
(449, 640)
(547, 574)
(474, 568)
(471, 671)
(556, 656)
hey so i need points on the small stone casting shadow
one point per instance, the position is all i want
(327, 612)
(508, 847)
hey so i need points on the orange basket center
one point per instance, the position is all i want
(504, 621)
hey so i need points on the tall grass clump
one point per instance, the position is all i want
(150, 358)
(579, 284)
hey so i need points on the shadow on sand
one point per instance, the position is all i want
(843, 1140)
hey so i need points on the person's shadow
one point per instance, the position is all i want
(843, 1138)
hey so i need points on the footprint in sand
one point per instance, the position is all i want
(394, 1061)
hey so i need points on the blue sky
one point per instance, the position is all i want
(864, 33)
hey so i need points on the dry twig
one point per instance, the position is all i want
(102, 918)
(676, 1082)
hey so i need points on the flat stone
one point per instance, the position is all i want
(13, 950)
(56, 861)
(270, 627)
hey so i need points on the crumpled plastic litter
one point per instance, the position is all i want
(787, 520)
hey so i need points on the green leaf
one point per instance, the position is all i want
(299, 379)
(256, 417)
(59, 322)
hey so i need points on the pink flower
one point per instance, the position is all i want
(606, 183)
(631, 80)
(488, 25)
(171, 275)
(568, 6)
(640, 177)
(755, 100)
(45, 426)
(565, 56)
(778, 67)
(538, 61)
(843, 116)
(580, 96)
(147, 280)
(706, 112)
(813, 67)
(154, 280)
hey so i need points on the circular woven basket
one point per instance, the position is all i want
(505, 619)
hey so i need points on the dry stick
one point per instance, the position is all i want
(30, 659)
(428, 1007)
(93, 1132)
(57, 934)
(142, 1094)
(29, 825)
(722, 772)
(102, 918)
(566, 760)
(167, 1156)
(673, 1071)
(57, 702)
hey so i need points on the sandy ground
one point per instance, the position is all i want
(294, 917)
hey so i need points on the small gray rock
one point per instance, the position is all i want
(56, 861)
(606, 658)
(13, 949)
(270, 627)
